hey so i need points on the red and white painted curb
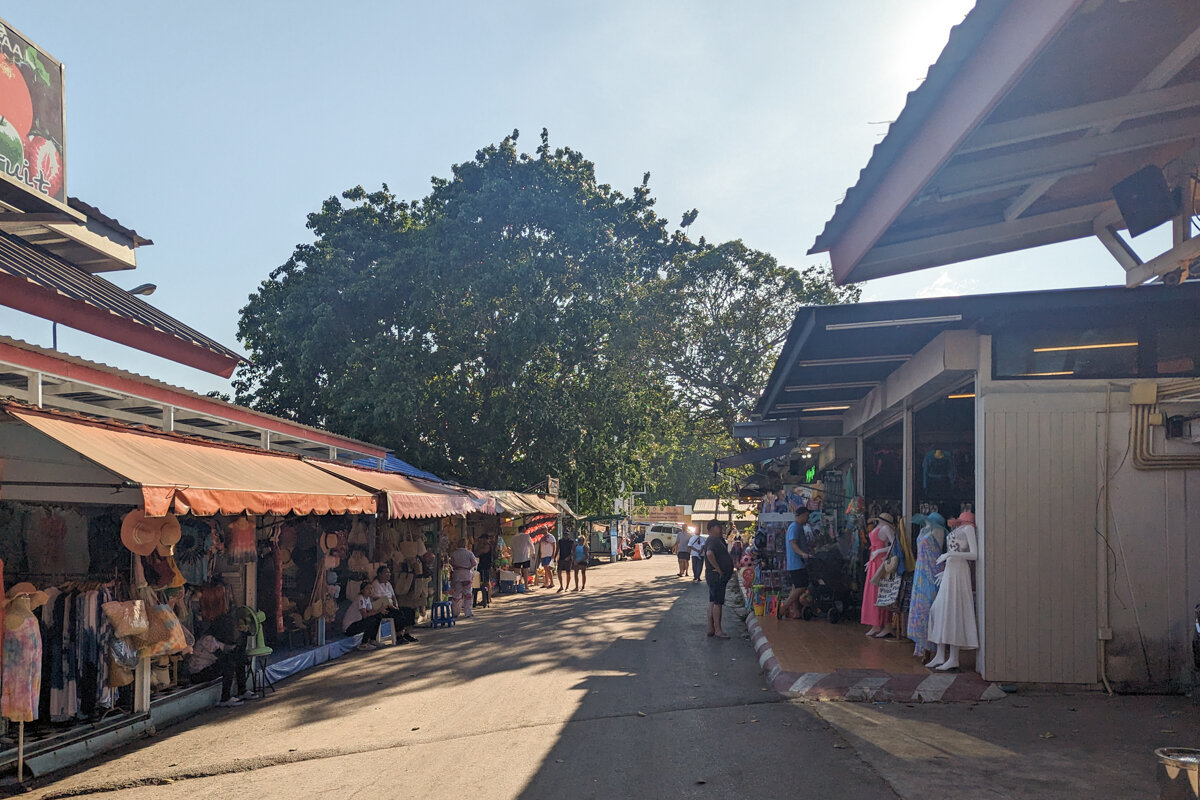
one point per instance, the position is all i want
(868, 685)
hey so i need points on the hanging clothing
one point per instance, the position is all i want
(872, 614)
(22, 670)
(924, 589)
(952, 615)
(937, 468)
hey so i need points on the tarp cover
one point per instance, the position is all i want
(520, 504)
(184, 476)
(408, 498)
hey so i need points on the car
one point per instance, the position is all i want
(661, 536)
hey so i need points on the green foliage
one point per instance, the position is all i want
(520, 320)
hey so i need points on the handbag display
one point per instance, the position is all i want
(128, 617)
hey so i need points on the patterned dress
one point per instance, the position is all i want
(22, 670)
(924, 590)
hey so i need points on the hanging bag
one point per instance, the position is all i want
(128, 617)
(889, 585)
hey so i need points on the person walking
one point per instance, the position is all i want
(547, 549)
(484, 551)
(580, 564)
(566, 560)
(462, 563)
(683, 541)
(522, 554)
(696, 549)
(799, 534)
(720, 570)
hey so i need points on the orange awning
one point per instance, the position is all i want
(409, 498)
(181, 476)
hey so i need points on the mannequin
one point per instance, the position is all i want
(881, 538)
(952, 616)
(22, 663)
(931, 544)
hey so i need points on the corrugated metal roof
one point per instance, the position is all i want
(393, 464)
(963, 40)
(42, 269)
(100, 216)
(148, 381)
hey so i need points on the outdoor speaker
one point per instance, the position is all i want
(1145, 200)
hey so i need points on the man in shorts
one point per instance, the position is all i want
(566, 560)
(799, 534)
(547, 548)
(719, 569)
(683, 540)
(522, 555)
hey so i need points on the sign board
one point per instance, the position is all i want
(31, 117)
(552, 487)
(661, 514)
(811, 475)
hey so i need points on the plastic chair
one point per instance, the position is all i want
(443, 615)
(387, 632)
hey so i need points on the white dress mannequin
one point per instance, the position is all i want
(952, 616)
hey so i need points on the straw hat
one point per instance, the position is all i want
(36, 597)
(140, 533)
(171, 533)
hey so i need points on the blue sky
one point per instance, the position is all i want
(215, 128)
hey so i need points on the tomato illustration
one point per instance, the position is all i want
(45, 163)
(16, 105)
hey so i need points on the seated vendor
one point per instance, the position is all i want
(222, 653)
(362, 617)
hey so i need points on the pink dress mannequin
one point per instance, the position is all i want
(881, 541)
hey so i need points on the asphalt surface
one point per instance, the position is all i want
(616, 692)
(607, 693)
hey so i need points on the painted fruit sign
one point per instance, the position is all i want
(31, 116)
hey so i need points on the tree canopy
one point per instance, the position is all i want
(522, 320)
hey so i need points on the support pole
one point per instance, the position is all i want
(21, 752)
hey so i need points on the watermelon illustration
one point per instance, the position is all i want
(12, 149)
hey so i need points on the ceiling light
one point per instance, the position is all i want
(834, 362)
(1084, 347)
(825, 408)
(814, 444)
(1046, 374)
(960, 396)
(893, 323)
(817, 387)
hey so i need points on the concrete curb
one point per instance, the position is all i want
(866, 685)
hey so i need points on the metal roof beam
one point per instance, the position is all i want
(1039, 162)
(1077, 118)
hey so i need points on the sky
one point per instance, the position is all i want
(215, 128)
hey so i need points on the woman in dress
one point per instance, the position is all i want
(881, 538)
(930, 545)
(952, 616)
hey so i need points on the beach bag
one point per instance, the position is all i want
(128, 617)
(165, 635)
(122, 653)
(889, 584)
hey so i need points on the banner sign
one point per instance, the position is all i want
(31, 116)
(660, 514)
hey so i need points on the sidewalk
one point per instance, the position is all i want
(837, 662)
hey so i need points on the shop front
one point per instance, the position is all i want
(129, 546)
(1012, 433)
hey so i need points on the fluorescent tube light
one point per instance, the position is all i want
(825, 408)
(1084, 347)
(960, 396)
(1046, 374)
(892, 323)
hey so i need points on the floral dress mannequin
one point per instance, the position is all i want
(952, 616)
(925, 577)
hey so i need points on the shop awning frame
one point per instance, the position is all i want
(412, 498)
(522, 503)
(181, 475)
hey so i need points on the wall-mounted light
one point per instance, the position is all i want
(1064, 348)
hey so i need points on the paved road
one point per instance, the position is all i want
(617, 693)
(610, 693)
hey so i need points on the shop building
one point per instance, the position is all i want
(1066, 419)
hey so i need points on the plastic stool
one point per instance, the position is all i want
(387, 632)
(443, 615)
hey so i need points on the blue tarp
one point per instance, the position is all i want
(393, 464)
(311, 658)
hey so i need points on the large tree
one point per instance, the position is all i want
(520, 320)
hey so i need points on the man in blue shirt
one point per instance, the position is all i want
(799, 534)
